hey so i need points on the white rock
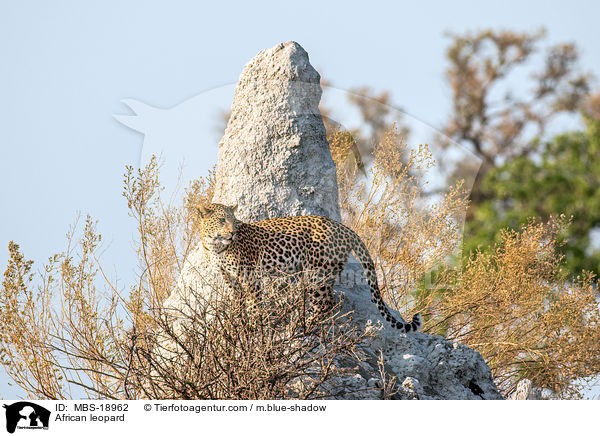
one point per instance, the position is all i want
(526, 391)
(274, 158)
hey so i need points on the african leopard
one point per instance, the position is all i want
(289, 245)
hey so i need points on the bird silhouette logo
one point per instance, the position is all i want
(184, 137)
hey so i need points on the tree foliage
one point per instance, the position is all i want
(530, 320)
(562, 178)
(493, 118)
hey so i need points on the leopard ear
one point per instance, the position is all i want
(234, 207)
(202, 210)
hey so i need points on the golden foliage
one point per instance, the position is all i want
(515, 307)
(413, 238)
(512, 304)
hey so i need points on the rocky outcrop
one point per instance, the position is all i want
(274, 160)
(425, 366)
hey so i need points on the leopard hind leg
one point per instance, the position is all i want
(322, 290)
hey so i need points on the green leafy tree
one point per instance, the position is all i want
(564, 178)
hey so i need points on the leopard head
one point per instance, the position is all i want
(218, 226)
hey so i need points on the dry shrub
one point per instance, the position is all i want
(226, 346)
(414, 239)
(75, 333)
(56, 334)
(347, 161)
(516, 307)
(512, 304)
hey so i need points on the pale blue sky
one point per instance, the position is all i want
(65, 66)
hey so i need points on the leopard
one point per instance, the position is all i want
(288, 245)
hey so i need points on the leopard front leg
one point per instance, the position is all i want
(244, 284)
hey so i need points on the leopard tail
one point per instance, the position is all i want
(365, 260)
